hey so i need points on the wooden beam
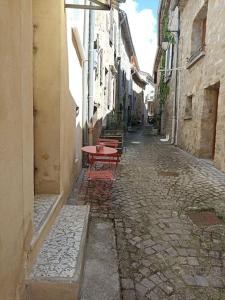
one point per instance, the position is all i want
(100, 3)
(90, 7)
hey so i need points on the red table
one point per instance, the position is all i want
(105, 151)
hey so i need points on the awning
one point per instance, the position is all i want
(96, 4)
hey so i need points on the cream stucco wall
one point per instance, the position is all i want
(47, 76)
(57, 93)
(71, 98)
(208, 71)
(16, 150)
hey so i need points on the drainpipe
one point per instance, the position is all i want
(119, 71)
(85, 78)
(91, 73)
(176, 95)
(178, 91)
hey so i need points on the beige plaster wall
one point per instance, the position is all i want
(46, 23)
(70, 99)
(16, 150)
(206, 72)
(57, 93)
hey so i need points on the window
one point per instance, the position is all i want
(106, 89)
(188, 108)
(101, 69)
(111, 35)
(203, 32)
(106, 81)
(198, 38)
(115, 37)
(169, 62)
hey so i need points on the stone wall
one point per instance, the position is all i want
(206, 74)
(105, 72)
(139, 106)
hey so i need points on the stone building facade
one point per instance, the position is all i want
(105, 69)
(165, 73)
(202, 84)
(138, 107)
(197, 84)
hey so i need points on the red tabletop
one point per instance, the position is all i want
(103, 151)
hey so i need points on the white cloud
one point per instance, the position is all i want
(143, 30)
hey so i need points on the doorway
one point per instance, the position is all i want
(209, 122)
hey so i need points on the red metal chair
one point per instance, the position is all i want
(102, 167)
(113, 143)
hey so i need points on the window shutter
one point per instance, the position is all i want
(203, 32)
(115, 37)
(111, 28)
(169, 62)
(101, 66)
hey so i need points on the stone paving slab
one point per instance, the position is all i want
(58, 268)
(162, 253)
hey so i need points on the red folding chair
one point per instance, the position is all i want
(102, 167)
(113, 143)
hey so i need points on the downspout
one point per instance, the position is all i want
(85, 78)
(178, 85)
(91, 73)
(119, 71)
(175, 108)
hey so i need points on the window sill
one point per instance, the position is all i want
(167, 78)
(194, 59)
(187, 118)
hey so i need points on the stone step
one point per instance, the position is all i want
(57, 272)
(46, 209)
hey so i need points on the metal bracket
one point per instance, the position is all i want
(99, 6)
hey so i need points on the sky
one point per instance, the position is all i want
(142, 18)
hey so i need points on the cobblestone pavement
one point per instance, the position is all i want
(162, 254)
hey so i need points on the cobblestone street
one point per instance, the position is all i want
(162, 254)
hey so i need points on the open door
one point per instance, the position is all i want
(209, 122)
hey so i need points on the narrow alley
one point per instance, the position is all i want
(162, 253)
(112, 151)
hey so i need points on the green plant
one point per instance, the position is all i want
(167, 37)
(163, 86)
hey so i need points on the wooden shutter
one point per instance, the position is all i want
(203, 32)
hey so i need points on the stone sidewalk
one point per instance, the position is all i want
(162, 254)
